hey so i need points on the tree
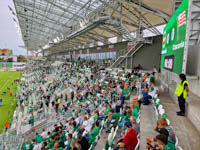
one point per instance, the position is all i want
(10, 59)
(21, 58)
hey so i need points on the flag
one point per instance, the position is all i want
(164, 39)
(181, 20)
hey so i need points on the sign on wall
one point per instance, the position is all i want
(88, 51)
(6, 65)
(130, 45)
(19, 65)
(98, 49)
(111, 47)
(173, 43)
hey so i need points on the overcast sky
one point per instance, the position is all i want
(9, 38)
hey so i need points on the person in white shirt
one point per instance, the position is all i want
(90, 123)
(85, 123)
(67, 124)
(79, 119)
(44, 133)
(37, 146)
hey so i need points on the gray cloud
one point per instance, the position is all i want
(9, 38)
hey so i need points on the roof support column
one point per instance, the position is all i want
(119, 39)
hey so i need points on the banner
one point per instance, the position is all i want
(6, 65)
(130, 45)
(19, 65)
(111, 47)
(173, 43)
(88, 51)
(98, 49)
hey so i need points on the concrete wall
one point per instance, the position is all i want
(147, 56)
(193, 62)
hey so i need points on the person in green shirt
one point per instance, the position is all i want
(94, 133)
(27, 145)
(126, 93)
(96, 115)
(160, 142)
(107, 109)
(134, 111)
(51, 143)
(38, 138)
(31, 120)
(68, 142)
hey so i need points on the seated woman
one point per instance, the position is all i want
(134, 111)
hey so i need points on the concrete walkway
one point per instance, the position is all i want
(147, 124)
(189, 137)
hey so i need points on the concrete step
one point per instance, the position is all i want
(147, 124)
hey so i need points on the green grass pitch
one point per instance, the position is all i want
(9, 103)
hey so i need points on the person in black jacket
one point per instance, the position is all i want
(83, 142)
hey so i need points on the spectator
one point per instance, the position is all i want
(83, 142)
(69, 141)
(157, 143)
(27, 145)
(38, 138)
(126, 94)
(162, 124)
(129, 141)
(149, 93)
(94, 133)
(44, 133)
(37, 146)
(75, 145)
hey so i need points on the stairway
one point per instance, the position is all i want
(8, 142)
(130, 53)
(117, 61)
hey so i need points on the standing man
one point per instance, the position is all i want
(182, 93)
(126, 93)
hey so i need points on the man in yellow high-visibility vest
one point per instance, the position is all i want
(182, 90)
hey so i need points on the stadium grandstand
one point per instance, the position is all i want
(106, 75)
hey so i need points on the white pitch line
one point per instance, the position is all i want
(7, 81)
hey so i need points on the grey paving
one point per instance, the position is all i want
(188, 135)
(147, 124)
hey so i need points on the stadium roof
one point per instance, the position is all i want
(65, 24)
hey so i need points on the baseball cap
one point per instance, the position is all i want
(128, 124)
